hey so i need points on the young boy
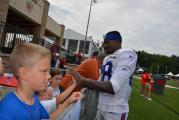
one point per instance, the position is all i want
(56, 76)
(30, 63)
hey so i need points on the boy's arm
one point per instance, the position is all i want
(61, 97)
(59, 110)
(74, 97)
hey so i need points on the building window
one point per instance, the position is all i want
(86, 46)
(72, 45)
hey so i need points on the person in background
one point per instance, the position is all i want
(145, 85)
(67, 55)
(62, 63)
(1, 68)
(1, 74)
(96, 53)
(78, 57)
(54, 54)
(56, 77)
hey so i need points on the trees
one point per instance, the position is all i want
(158, 63)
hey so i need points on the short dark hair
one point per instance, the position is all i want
(55, 72)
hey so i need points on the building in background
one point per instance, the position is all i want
(27, 21)
(74, 42)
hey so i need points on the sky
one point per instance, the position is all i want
(149, 25)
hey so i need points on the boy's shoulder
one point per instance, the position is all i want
(8, 101)
(8, 98)
(12, 107)
(7, 105)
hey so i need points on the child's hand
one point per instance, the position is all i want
(74, 82)
(74, 97)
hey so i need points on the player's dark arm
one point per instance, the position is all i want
(103, 86)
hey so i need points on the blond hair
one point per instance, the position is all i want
(26, 55)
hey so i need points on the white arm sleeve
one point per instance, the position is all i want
(121, 75)
(49, 105)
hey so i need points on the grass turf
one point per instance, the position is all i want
(174, 83)
(162, 107)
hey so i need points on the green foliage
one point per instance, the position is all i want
(158, 63)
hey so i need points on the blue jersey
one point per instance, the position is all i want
(12, 108)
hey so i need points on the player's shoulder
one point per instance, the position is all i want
(125, 53)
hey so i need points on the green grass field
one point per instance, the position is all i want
(162, 107)
(174, 83)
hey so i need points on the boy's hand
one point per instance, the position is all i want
(74, 82)
(74, 97)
